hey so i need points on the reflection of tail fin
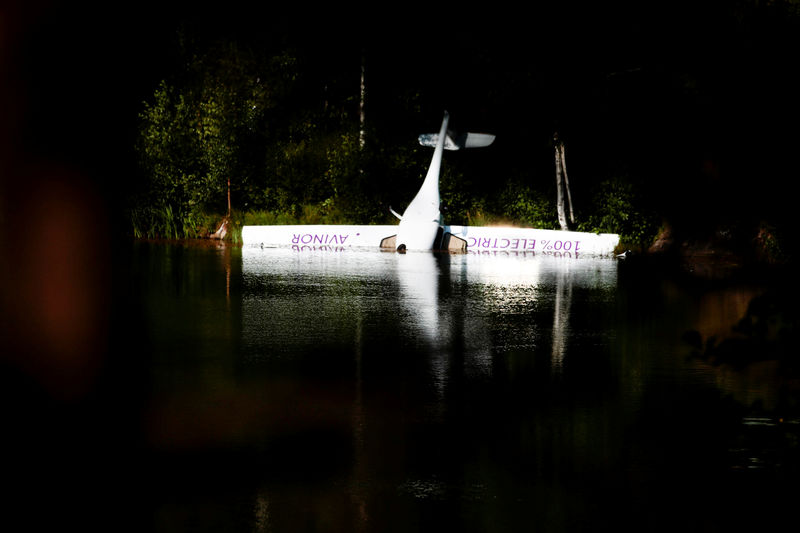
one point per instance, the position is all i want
(455, 141)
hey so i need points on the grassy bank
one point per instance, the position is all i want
(165, 223)
(735, 249)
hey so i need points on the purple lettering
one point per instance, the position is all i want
(295, 238)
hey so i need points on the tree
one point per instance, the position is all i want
(199, 131)
(230, 106)
(564, 196)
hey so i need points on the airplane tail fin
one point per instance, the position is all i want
(455, 141)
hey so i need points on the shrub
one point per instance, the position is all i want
(527, 206)
(617, 207)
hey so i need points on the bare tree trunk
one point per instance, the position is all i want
(362, 135)
(562, 217)
(229, 197)
(566, 182)
(362, 117)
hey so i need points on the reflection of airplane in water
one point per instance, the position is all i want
(440, 302)
(421, 226)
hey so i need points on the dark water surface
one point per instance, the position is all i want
(324, 390)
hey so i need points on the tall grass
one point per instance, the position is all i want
(303, 214)
(165, 223)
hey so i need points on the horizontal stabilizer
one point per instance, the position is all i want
(476, 140)
(457, 142)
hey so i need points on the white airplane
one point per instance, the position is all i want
(421, 226)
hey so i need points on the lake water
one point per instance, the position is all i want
(339, 390)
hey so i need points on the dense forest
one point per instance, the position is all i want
(676, 116)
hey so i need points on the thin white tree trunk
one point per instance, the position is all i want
(362, 134)
(562, 217)
(566, 182)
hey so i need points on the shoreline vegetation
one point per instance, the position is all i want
(720, 255)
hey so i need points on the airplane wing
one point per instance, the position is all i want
(500, 239)
(321, 236)
(455, 141)
(473, 239)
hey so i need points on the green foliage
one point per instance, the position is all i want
(617, 207)
(200, 130)
(457, 202)
(231, 115)
(166, 148)
(528, 207)
(323, 213)
(343, 170)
